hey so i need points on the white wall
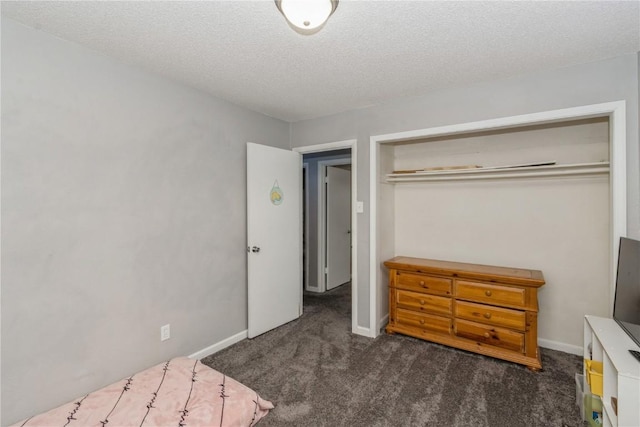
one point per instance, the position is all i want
(577, 141)
(559, 226)
(123, 209)
(613, 79)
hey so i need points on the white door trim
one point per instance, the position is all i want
(305, 172)
(616, 111)
(352, 144)
(322, 220)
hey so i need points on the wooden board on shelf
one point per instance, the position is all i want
(438, 168)
(408, 171)
(522, 165)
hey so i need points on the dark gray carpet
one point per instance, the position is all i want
(319, 374)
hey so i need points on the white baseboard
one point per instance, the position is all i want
(365, 332)
(220, 345)
(560, 346)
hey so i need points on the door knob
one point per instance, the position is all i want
(255, 249)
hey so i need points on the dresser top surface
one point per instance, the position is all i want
(461, 269)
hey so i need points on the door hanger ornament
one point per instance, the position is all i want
(276, 194)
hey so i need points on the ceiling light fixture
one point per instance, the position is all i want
(306, 16)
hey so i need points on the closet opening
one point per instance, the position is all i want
(544, 191)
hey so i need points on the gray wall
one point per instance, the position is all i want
(123, 209)
(609, 80)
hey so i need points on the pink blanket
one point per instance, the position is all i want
(181, 392)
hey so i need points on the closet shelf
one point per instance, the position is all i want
(584, 169)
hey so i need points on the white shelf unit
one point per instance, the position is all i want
(621, 371)
(582, 169)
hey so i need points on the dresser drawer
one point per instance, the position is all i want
(486, 334)
(423, 302)
(422, 283)
(497, 316)
(427, 322)
(492, 294)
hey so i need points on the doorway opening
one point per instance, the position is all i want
(329, 223)
(327, 220)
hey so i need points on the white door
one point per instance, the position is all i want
(338, 229)
(274, 237)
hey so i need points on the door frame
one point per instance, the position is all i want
(615, 111)
(338, 145)
(305, 200)
(322, 218)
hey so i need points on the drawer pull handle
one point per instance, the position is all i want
(487, 293)
(422, 321)
(421, 302)
(486, 335)
(487, 315)
(422, 284)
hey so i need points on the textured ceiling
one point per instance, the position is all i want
(369, 51)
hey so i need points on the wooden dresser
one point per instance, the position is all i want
(480, 308)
